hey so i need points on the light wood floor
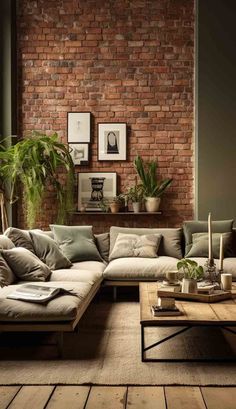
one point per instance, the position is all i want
(115, 397)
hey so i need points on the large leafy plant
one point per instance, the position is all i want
(152, 187)
(190, 269)
(36, 162)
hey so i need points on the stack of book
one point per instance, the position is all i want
(165, 307)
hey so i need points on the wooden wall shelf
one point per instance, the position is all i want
(116, 214)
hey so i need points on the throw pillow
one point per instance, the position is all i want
(200, 244)
(20, 238)
(26, 265)
(133, 245)
(193, 226)
(170, 242)
(76, 242)
(6, 275)
(103, 244)
(5, 242)
(47, 250)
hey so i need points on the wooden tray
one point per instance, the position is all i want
(218, 295)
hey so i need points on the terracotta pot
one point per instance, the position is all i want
(115, 207)
(136, 207)
(189, 285)
(152, 204)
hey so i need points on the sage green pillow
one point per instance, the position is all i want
(103, 244)
(7, 276)
(134, 245)
(200, 244)
(26, 265)
(77, 243)
(194, 226)
(48, 251)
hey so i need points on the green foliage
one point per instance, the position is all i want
(135, 193)
(190, 268)
(148, 175)
(35, 162)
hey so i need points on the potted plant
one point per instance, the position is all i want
(152, 187)
(115, 204)
(33, 162)
(135, 194)
(191, 273)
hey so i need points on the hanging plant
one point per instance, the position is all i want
(35, 161)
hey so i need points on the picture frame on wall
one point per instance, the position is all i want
(93, 187)
(112, 141)
(79, 153)
(78, 127)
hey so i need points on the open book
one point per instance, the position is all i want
(37, 293)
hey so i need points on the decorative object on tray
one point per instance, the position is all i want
(192, 272)
(94, 187)
(112, 141)
(226, 282)
(152, 188)
(78, 127)
(79, 153)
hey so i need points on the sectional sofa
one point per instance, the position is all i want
(72, 258)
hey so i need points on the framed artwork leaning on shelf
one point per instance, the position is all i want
(93, 187)
(112, 141)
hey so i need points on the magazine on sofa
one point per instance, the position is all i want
(37, 293)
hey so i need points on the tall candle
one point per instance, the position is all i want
(209, 237)
(221, 253)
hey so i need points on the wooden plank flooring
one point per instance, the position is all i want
(117, 397)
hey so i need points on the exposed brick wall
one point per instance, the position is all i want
(124, 61)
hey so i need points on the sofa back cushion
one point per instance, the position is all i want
(103, 244)
(170, 244)
(26, 265)
(200, 245)
(194, 226)
(47, 250)
(76, 242)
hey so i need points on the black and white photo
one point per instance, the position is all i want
(112, 141)
(79, 127)
(79, 153)
(93, 187)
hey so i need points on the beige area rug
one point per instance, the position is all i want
(106, 351)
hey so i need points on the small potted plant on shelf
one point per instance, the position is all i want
(192, 272)
(135, 195)
(115, 204)
(152, 187)
(104, 205)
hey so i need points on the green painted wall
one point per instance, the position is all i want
(216, 109)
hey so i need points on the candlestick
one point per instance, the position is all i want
(221, 253)
(209, 237)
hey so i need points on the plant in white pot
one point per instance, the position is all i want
(135, 195)
(192, 272)
(152, 187)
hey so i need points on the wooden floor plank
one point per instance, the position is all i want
(7, 393)
(30, 397)
(184, 397)
(220, 398)
(146, 397)
(70, 397)
(102, 397)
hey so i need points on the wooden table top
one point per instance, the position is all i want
(195, 313)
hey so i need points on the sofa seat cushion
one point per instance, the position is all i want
(229, 265)
(138, 268)
(96, 266)
(74, 275)
(61, 308)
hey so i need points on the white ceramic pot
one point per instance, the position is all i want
(136, 207)
(189, 285)
(152, 204)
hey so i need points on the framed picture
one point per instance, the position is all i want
(79, 127)
(95, 186)
(79, 153)
(112, 141)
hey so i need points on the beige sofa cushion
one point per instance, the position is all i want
(6, 243)
(96, 266)
(74, 275)
(134, 245)
(170, 243)
(62, 308)
(137, 268)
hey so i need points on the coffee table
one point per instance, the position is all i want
(195, 314)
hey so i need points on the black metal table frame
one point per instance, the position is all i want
(186, 328)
